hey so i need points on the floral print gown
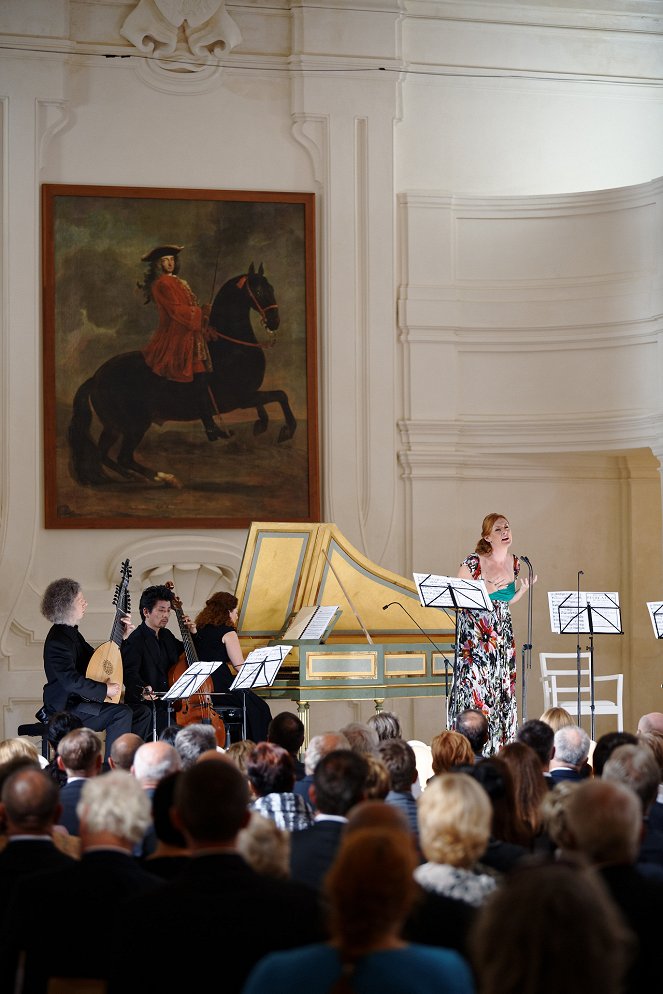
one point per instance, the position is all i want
(486, 670)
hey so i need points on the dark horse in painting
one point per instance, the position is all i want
(128, 397)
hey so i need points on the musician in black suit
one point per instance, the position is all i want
(66, 657)
(149, 653)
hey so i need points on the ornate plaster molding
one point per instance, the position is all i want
(203, 29)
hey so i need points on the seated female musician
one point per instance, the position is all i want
(217, 639)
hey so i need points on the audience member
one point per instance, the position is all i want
(547, 929)
(123, 751)
(271, 774)
(571, 751)
(386, 724)
(539, 736)
(169, 852)
(508, 836)
(169, 734)
(30, 807)
(338, 784)
(635, 767)
(362, 738)
(18, 747)
(401, 763)
(652, 722)
(370, 891)
(80, 759)
(152, 762)
(654, 741)
(474, 726)
(605, 821)
(192, 741)
(606, 745)
(553, 815)
(287, 731)
(217, 903)
(114, 813)
(557, 718)
(450, 749)
(59, 724)
(319, 746)
(530, 788)
(239, 753)
(376, 814)
(378, 782)
(454, 817)
(265, 847)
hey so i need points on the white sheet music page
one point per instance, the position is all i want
(655, 609)
(568, 615)
(260, 667)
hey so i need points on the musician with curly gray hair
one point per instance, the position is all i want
(66, 656)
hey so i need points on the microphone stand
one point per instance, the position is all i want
(526, 652)
(427, 636)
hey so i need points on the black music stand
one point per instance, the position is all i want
(453, 593)
(656, 614)
(186, 686)
(577, 612)
(259, 670)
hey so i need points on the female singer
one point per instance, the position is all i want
(486, 674)
(217, 639)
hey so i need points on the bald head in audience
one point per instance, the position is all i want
(154, 761)
(123, 750)
(652, 722)
(30, 803)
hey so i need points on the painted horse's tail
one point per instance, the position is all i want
(85, 465)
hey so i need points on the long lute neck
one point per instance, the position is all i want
(187, 638)
(122, 607)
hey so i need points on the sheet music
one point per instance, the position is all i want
(655, 609)
(260, 667)
(191, 680)
(434, 591)
(311, 623)
(568, 616)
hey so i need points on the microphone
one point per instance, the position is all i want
(525, 559)
(425, 634)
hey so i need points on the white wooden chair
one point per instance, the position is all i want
(559, 677)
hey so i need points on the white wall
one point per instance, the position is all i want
(487, 181)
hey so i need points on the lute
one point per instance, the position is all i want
(106, 662)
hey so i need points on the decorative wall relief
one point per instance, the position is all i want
(202, 28)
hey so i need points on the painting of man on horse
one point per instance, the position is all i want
(131, 429)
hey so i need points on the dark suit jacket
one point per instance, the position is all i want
(147, 659)
(313, 850)
(23, 857)
(641, 903)
(86, 898)
(220, 905)
(66, 655)
(302, 786)
(70, 795)
(557, 776)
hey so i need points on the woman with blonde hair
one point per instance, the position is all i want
(454, 829)
(557, 718)
(370, 889)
